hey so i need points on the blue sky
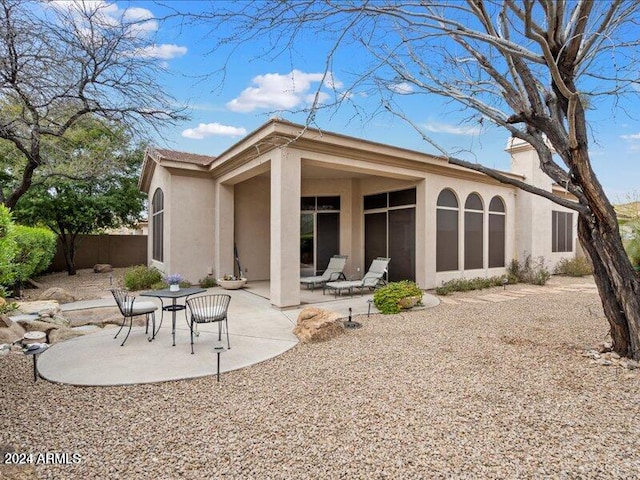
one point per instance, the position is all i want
(255, 89)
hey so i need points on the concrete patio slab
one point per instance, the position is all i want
(257, 332)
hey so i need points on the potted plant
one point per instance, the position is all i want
(231, 282)
(174, 281)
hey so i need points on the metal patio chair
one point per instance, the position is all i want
(334, 271)
(209, 309)
(371, 279)
(130, 307)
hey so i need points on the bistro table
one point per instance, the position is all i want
(174, 307)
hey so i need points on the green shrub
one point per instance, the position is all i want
(574, 267)
(387, 298)
(467, 284)
(8, 248)
(530, 271)
(141, 277)
(36, 247)
(207, 282)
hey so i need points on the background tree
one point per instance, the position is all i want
(526, 66)
(62, 61)
(72, 207)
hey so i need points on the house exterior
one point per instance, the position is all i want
(288, 197)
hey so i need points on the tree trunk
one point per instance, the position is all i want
(69, 249)
(618, 285)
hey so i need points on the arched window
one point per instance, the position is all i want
(473, 232)
(497, 221)
(157, 224)
(447, 231)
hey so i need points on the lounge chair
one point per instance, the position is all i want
(333, 272)
(371, 279)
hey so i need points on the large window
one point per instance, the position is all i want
(561, 231)
(157, 224)
(497, 217)
(447, 232)
(390, 231)
(473, 232)
(319, 233)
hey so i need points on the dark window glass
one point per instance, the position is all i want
(473, 247)
(447, 199)
(473, 202)
(496, 240)
(307, 203)
(375, 236)
(402, 244)
(157, 227)
(378, 200)
(496, 205)
(402, 197)
(328, 241)
(561, 231)
(328, 203)
(446, 240)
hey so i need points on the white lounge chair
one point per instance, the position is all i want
(333, 272)
(373, 278)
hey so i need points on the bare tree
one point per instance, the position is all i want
(61, 61)
(529, 66)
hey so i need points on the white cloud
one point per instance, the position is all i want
(165, 51)
(280, 92)
(439, 127)
(402, 88)
(634, 136)
(204, 130)
(140, 21)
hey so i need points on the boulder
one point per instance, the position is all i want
(5, 321)
(61, 334)
(11, 334)
(102, 268)
(51, 307)
(37, 325)
(59, 294)
(95, 316)
(317, 325)
(3, 302)
(408, 302)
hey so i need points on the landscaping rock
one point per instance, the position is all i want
(94, 316)
(102, 268)
(61, 334)
(12, 333)
(317, 325)
(5, 321)
(35, 325)
(408, 302)
(40, 306)
(3, 302)
(85, 329)
(59, 294)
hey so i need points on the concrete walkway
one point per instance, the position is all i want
(257, 332)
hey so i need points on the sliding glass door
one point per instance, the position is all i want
(319, 233)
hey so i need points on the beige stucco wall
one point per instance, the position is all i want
(252, 228)
(534, 227)
(191, 225)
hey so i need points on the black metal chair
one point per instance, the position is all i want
(130, 307)
(209, 309)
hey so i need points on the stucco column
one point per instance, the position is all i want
(421, 233)
(285, 228)
(224, 230)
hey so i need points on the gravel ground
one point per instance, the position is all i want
(464, 391)
(84, 285)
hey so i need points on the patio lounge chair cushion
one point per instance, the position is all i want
(333, 272)
(370, 280)
(139, 307)
(209, 314)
